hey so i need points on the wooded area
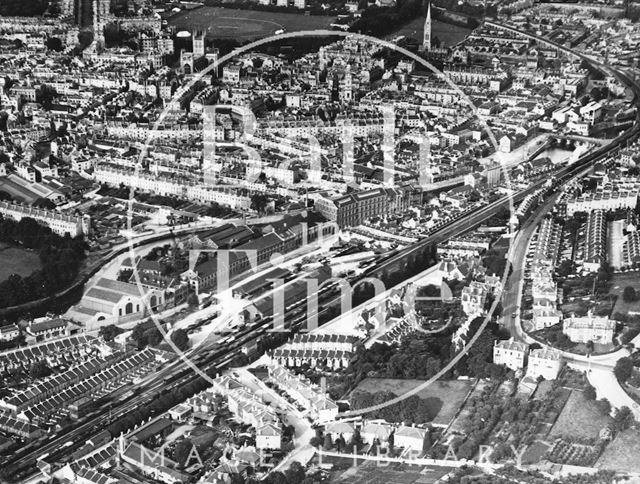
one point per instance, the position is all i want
(61, 259)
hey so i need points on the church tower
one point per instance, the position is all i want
(198, 44)
(426, 37)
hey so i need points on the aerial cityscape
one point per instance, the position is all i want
(295, 241)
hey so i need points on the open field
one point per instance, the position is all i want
(451, 392)
(542, 389)
(622, 453)
(372, 472)
(15, 260)
(226, 23)
(579, 418)
(535, 452)
(618, 283)
(447, 33)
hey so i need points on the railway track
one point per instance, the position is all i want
(216, 359)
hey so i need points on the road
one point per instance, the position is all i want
(221, 358)
(599, 368)
(302, 452)
(218, 360)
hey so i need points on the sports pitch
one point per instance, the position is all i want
(228, 23)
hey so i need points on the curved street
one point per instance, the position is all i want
(599, 368)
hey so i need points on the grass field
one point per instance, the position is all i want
(535, 452)
(14, 260)
(542, 389)
(226, 23)
(622, 453)
(451, 393)
(579, 418)
(618, 283)
(448, 34)
(372, 472)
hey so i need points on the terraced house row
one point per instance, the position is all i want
(69, 350)
(46, 388)
(92, 387)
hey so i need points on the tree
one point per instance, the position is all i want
(54, 43)
(495, 262)
(604, 406)
(259, 202)
(623, 419)
(28, 8)
(328, 442)
(475, 196)
(623, 368)
(180, 339)
(295, 473)
(590, 393)
(237, 479)
(138, 335)
(109, 332)
(501, 451)
(39, 369)
(426, 442)
(566, 268)
(629, 295)
(340, 443)
(192, 300)
(276, 477)
(182, 451)
(595, 94)
(44, 203)
(356, 439)
(45, 95)
(153, 336)
(315, 441)
(466, 450)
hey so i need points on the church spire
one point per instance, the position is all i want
(426, 37)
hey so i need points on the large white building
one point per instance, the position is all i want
(165, 185)
(589, 328)
(591, 112)
(544, 362)
(602, 201)
(543, 317)
(510, 353)
(411, 438)
(110, 301)
(59, 223)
